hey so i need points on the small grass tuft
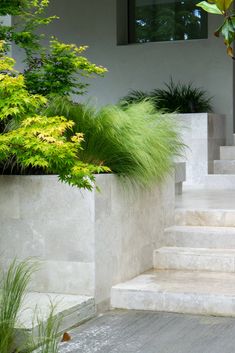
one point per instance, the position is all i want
(13, 289)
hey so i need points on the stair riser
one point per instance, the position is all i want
(213, 218)
(176, 261)
(224, 167)
(200, 240)
(219, 182)
(227, 152)
(188, 303)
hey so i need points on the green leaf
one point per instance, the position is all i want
(223, 5)
(228, 32)
(218, 30)
(211, 8)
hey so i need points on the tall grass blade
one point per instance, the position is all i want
(13, 289)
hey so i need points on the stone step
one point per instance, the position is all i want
(219, 181)
(199, 259)
(224, 167)
(71, 310)
(205, 217)
(194, 292)
(227, 152)
(200, 237)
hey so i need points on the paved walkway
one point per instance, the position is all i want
(151, 332)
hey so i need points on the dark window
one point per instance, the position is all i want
(165, 20)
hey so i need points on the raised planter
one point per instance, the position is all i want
(86, 241)
(203, 134)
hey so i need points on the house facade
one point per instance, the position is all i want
(102, 25)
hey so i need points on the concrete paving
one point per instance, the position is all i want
(151, 332)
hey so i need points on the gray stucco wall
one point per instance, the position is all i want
(144, 66)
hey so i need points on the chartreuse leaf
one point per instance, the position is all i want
(223, 5)
(211, 8)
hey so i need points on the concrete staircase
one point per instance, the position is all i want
(226, 164)
(195, 270)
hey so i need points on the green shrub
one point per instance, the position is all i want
(11, 7)
(60, 69)
(137, 142)
(175, 97)
(36, 141)
(59, 72)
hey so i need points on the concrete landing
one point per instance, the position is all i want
(149, 332)
(194, 292)
(71, 311)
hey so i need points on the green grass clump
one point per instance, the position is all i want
(181, 97)
(47, 337)
(135, 142)
(13, 288)
(175, 97)
(14, 285)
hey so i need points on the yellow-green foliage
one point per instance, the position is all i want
(38, 141)
(135, 142)
(60, 71)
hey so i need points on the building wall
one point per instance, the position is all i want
(144, 66)
(85, 241)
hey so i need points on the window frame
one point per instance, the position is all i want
(131, 27)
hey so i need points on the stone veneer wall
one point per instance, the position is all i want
(86, 241)
(203, 134)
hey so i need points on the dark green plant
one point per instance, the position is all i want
(175, 97)
(134, 96)
(135, 142)
(180, 97)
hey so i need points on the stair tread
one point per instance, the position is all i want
(196, 251)
(201, 229)
(179, 281)
(227, 147)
